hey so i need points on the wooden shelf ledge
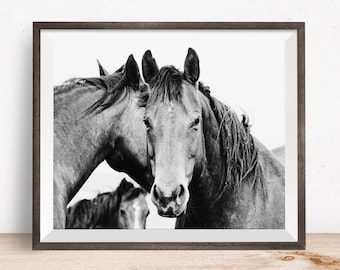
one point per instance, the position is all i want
(322, 252)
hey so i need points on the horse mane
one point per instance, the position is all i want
(99, 209)
(88, 213)
(240, 155)
(245, 122)
(114, 85)
(69, 85)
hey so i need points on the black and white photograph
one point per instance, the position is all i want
(169, 134)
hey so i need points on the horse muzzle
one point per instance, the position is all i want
(170, 204)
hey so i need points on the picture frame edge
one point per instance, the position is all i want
(299, 245)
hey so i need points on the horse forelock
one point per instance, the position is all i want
(166, 86)
(239, 152)
(133, 194)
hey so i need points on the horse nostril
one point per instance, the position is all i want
(155, 193)
(164, 201)
(181, 191)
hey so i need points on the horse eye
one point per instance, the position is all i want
(195, 123)
(122, 212)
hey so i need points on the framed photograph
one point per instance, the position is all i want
(181, 135)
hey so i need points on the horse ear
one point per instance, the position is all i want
(192, 66)
(120, 69)
(149, 66)
(124, 186)
(132, 72)
(102, 71)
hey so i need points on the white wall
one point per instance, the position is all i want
(322, 87)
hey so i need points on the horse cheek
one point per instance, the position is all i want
(121, 223)
(193, 144)
(192, 155)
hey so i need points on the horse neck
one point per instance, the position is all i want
(211, 190)
(129, 152)
(203, 186)
(273, 165)
(79, 141)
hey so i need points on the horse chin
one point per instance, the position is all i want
(170, 213)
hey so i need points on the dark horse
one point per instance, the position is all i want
(124, 208)
(98, 119)
(209, 171)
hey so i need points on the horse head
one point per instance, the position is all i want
(173, 120)
(133, 208)
(120, 105)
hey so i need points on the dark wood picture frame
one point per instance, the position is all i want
(298, 26)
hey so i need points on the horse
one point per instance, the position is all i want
(97, 119)
(208, 170)
(124, 208)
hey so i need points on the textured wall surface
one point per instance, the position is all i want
(322, 87)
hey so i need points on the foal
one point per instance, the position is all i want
(124, 208)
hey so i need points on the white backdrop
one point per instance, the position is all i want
(245, 69)
(322, 87)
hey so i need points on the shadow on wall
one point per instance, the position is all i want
(17, 194)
